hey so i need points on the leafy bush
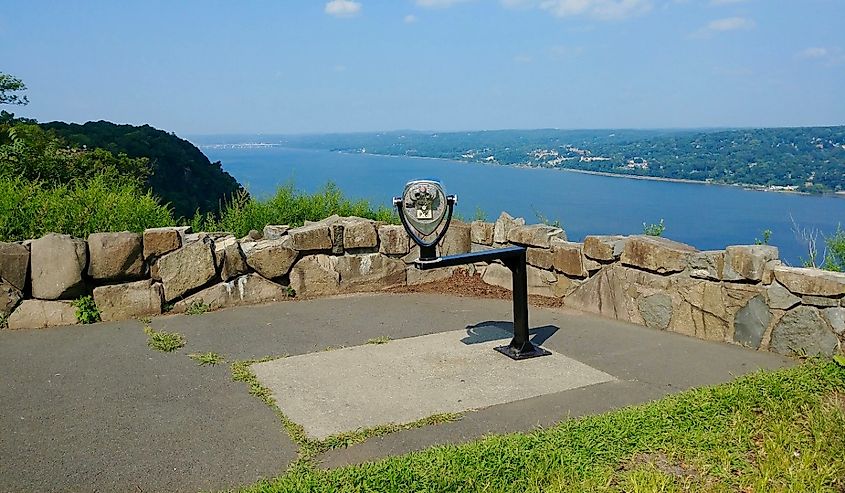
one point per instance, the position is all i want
(32, 208)
(287, 206)
(835, 255)
(654, 229)
(86, 310)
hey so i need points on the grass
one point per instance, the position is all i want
(769, 431)
(207, 359)
(166, 342)
(379, 340)
(197, 308)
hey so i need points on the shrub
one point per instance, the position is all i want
(86, 310)
(654, 229)
(834, 258)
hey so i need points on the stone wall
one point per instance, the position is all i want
(741, 295)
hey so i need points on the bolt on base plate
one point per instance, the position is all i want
(532, 352)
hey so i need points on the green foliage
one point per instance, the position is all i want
(32, 209)
(9, 85)
(180, 173)
(769, 431)
(86, 310)
(197, 308)
(480, 214)
(287, 206)
(541, 218)
(207, 359)
(654, 229)
(290, 292)
(163, 341)
(379, 340)
(767, 235)
(835, 251)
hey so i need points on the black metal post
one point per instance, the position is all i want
(520, 347)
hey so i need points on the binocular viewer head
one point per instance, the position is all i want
(423, 208)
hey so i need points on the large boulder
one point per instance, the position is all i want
(393, 240)
(815, 282)
(417, 276)
(503, 226)
(803, 331)
(115, 256)
(270, 258)
(568, 258)
(836, 318)
(187, 269)
(220, 246)
(536, 235)
(751, 322)
(359, 233)
(780, 298)
(14, 264)
(274, 231)
(38, 314)
(245, 290)
(747, 262)
(315, 275)
(58, 262)
(313, 237)
(370, 272)
(604, 248)
(457, 239)
(656, 254)
(10, 296)
(541, 258)
(159, 241)
(481, 232)
(656, 310)
(129, 300)
(540, 282)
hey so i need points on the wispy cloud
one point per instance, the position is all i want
(598, 9)
(410, 19)
(828, 56)
(724, 25)
(438, 3)
(813, 53)
(343, 8)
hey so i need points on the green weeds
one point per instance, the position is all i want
(654, 229)
(197, 308)
(207, 359)
(86, 310)
(166, 342)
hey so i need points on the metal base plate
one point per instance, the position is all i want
(512, 353)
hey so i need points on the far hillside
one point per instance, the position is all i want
(181, 174)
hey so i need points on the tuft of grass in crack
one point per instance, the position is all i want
(309, 447)
(207, 359)
(379, 340)
(145, 320)
(164, 341)
(197, 308)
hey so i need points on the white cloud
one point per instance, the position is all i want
(813, 53)
(438, 3)
(730, 24)
(343, 8)
(410, 19)
(599, 9)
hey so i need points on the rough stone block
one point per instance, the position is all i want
(416, 276)
(58, 262)
(128, 301)
(780, 298)
(803, 331)
(541, 258)
(820, 301)
(656, 254)
(245, 290)
(747, 262)
(656, 310)
(814, 282)
(393, 240)
(115, 256)
(10, 296)
(14, 264)
(233, 262)
(568, 258)
(159, 241)
(274, 232)
(836, 318)
(270, 258)
(313, 237)
(707, 265)
(540, 282)
(604, 248)
(359, 233)
(751, 322)
(503, 225)
(370, 272)
(536, 235)
(186, 269)
(38, 314)
(457, 239)
(315, 275)
(481, 232)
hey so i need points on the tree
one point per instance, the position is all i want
(9, 85)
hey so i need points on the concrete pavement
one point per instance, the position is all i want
(91, 408)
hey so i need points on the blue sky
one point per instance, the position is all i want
(301, 66)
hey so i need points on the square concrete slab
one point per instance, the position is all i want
(409, 379)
